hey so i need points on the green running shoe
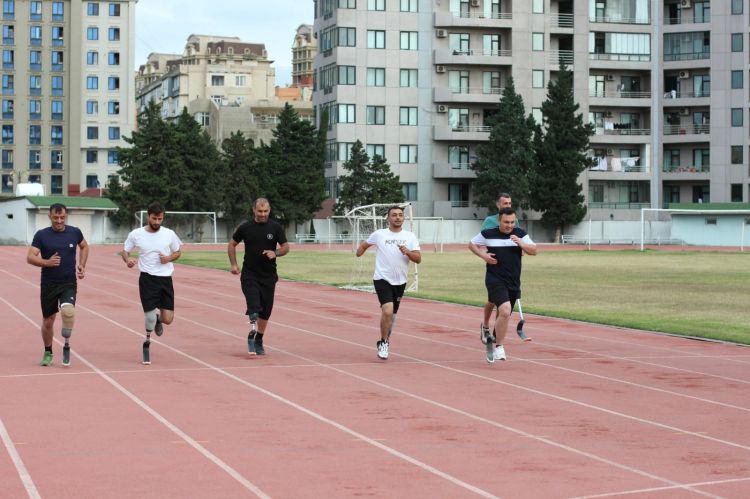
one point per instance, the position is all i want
(47, 359)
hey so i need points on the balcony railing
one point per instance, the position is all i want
(478, 90)
(561, 20)
(621, 131)
(459, 204)
(619, 206)
(686, 20)
(626, 165)
(482, 15)
(460, 166)
(625, 94)
(618, 20)
(674, 94)
(497, 53)
(560, 57)
(595, 56)
(686, 129)
(686, 169)
(472, 128)
(689, 56)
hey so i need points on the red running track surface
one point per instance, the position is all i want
(582, 411)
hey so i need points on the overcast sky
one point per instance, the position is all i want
(164, 25)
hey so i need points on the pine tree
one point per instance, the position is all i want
(356, 185)
(384, 185)
(504, 162)
(242, 178)
(561, 156)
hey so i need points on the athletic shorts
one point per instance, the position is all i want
(52, 296)
(499, 294)
(258, 297)
(156, 292)
(389, 293)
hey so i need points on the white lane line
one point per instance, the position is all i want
(659, 489)
(23, 473)
(161, 419)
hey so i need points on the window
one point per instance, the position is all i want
(458, 195)
(537, 6)
(410, 190)
(491, 45)
(408, 78)
(737, 6)
(56, 159)
(92, 33)
(112, 157)
(240, 80)
(375, 4)
(56, 184)
(458, 81)
(35, 84)
(737, 77)
(375, 39)
(113, 58)
(737, 116)
(736, 193)
(57, 85)
(536, 113)
(407, 153)
(409, 6)
(57, 35)
(35, 134)
(35, 159)
(92, 132)
(113, 107)
(35, 60)
(9, 34)
(537, 78)
(376, 115)
(35, 9)
(537, 41)
(92, 82)
(58, 11)
(92, 57)
(92, 156)
(35, 110)
(57, 60)
(407, 116)
(35, 35)
(8, 59)
(57, 109)
(375, 77)
(9, 9)
(459, 43)
(92, 181)
(409, 40)
(114, 34)
(8, 158)
(7, 134)
(114, 10)
(217, 81)
(375, 150)
(8, 109)
(343, 113)
(7, 183)
(8, 85)
(736, 42)
(56, 134)
(491, 82)
(113, 83)
(92, 107)
(92, 9)
(458, 157)
(737, 155)
(114, 133)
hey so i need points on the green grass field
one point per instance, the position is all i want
(703, 294)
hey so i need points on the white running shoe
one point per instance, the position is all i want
(499, 353)
(383, 349)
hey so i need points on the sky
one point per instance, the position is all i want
(164, 25)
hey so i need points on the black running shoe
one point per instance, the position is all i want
(259, 350)
(159, 327)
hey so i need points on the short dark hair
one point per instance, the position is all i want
(155, 208)
(57, 208)
(503, 195)
(394, 207)
(506, 211)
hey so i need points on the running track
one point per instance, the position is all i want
(582, 411)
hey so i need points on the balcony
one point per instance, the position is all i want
(456, 210)
(469, 56)
(686, 169)
(618, 206)
(452, 170)
(689, 56)
(686, 129)
(561, 20)
(619, 94)
(473, 18)
(479, 133)
(621, 165)
(601, 56)
(622, 130)
(478, 95)
(560, 57)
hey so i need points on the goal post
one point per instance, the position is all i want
(709, 227)
(188, 225)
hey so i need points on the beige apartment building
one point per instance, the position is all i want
(664, 82)
(67, 92)
(304, 50)
(228, 85)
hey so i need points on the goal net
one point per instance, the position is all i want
(190, 226)
(709, 227)
(363, 221)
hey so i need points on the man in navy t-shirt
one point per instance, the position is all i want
(501, 248)
(54, 250)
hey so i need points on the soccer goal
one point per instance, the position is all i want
(363, 221)
(709, 227)
(190, 226)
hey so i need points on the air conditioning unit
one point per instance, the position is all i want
(442, 108)
(475, 3)
(610, 151)
(684, 75)
(441, 33)
(610, 77)
(684, 111)
(685, 4)
(440, 69)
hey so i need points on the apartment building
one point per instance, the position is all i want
(304, 49)
(67, 92)
(662, 81)
(228, 85)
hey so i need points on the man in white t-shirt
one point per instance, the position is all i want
(157, 248)
(395, 248)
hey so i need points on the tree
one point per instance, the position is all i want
(368, 182)
(296, 164)
(504, 162)
(242, 178)
(561, 150)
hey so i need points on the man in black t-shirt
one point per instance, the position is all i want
(264, 241)
(54, 250)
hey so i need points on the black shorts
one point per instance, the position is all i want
(156, 292)
(499, 294)
(54, 295)
(389, 293)
(258, 297)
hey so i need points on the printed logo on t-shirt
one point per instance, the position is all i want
(397, 242)
(269, 236)
(70, 245)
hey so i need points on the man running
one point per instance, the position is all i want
(501, 248)
(264, 241)
(395, 248)
(54, 250)
(157, 248)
